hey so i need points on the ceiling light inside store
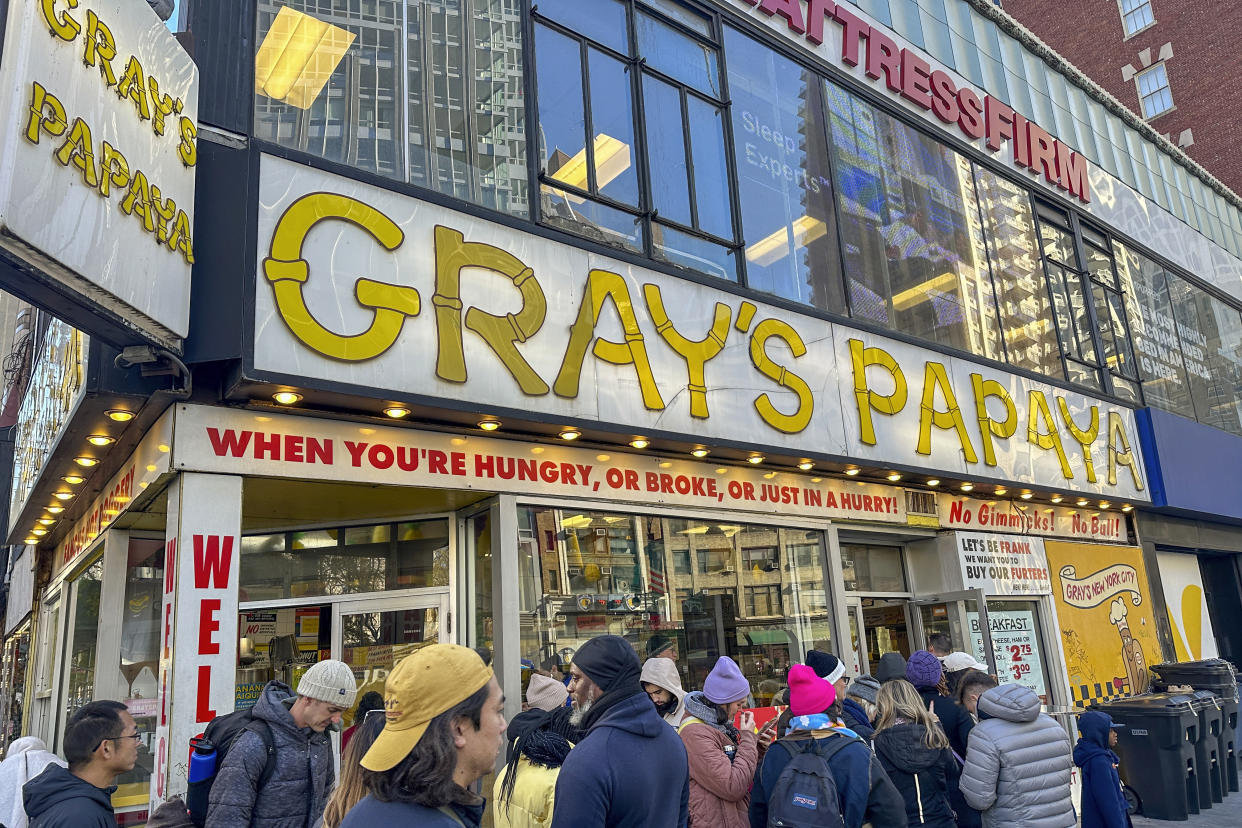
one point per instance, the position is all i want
(489, 424)
(73, 479)
(55, 510)
(694, 530)
(46, 521)
(298, 55)
(119, 415)
(397, 411)
(287, 397)
(1127, 508)
(640, 442)
(852, 471)
(968, 487)
(933, 482)
(31, 541)
(100, 440)
(1104, 504)
(806, 465)
(38, 532)
(576, 522)
(755, 459)
(774, 247)
(86, 461)
(1082, 501)
(612, 157)
(893, 477)
(570, 434)
(699, 452)
(63, 495)
(1000, 490)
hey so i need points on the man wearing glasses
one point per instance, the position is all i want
(101, 742)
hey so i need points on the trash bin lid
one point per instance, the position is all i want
(1150, 703)
(1210, 669)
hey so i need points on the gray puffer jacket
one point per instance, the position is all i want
(1018, 763)
(301, 781)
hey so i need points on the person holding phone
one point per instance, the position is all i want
(722, 757)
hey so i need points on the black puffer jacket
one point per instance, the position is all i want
(58, 799)
(298, 791)
(923, 775)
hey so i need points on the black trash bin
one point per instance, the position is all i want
(1217, 675)
(1207, 749)
(1156, 743)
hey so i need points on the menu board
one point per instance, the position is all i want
(1015, 644)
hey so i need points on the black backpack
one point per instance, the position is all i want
(805, 794)
(221, 734)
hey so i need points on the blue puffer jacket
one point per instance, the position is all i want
(298, 791)
(629, 772)
(1103, 806)
(371, 812)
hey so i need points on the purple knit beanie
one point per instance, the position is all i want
(725, 683)
(924, 669)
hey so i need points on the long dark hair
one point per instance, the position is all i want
(542, 747)
(351, 787)
(425, 775)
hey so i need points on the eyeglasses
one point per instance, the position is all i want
(136, 736)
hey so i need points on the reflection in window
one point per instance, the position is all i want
(1110, 317)
(676, 205)
(1154, 329)
(357, 559)
(1013, 248)
(912, 242)
(872, 568)
(785, 187)
(80, 687)
(1069, 302)
(140, 655)
(426, 92)
(714, 588)
(1211, 335)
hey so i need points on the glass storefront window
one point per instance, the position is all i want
(1211, 336)
(912, 240)
(80, 665)
(752, 592)
(140, 658)
(13, 662)
(785, 187)
(868, 568)
(1016, 638)
(356, 559)
(425, 92)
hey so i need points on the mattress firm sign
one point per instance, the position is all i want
(365, 287)
(231, 441)
(98, 106)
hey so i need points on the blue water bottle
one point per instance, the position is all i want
(202, 759)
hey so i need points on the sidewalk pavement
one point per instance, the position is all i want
(1222, 815)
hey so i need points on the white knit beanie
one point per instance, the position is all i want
(329, 681)
(546, 693)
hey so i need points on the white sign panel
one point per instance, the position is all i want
(1078, 522)
(369, 288)
(232, 441)
(1003, 564)
(98, 112)
(1015, 644)
(1193, 635)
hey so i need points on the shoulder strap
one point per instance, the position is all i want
(686, 722)
(264, 731)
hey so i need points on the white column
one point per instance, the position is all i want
(198, 654)
(109, 681)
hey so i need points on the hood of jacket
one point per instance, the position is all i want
(273, 707)
(635, 715)
(1094, 727)
(1011, 702)
(902, 746)
(662, 672)
(57, 786)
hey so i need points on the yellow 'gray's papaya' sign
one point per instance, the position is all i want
(369, 288)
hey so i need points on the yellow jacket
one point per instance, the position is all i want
(533, 794)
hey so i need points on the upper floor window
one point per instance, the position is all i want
(1136, 15)
(632, 129)
(430, 93)
(1153, 90)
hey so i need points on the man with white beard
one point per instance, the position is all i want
(630, 770)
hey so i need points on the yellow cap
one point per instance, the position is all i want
(432, 681)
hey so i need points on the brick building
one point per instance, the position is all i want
(1168, 61)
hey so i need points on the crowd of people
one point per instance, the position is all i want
(930, 741)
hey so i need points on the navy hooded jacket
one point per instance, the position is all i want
(630, 771)
(58, 799)
(1103, 806)
(856, 718)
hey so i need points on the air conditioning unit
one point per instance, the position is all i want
(922, 504)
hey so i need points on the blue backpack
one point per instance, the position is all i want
(805, 794)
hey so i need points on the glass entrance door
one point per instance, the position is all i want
(371, 636)
(963, 616)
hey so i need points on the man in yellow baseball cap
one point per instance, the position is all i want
(444, 727)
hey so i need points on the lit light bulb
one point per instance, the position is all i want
(119, 415)
(806, 465)
(755, 459)
(100, 440)
(699, 452)
(570, 434)
(397, 411)
(489, 424)
(286, 397)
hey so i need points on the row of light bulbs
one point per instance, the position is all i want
(569, 433)
(73, 478)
